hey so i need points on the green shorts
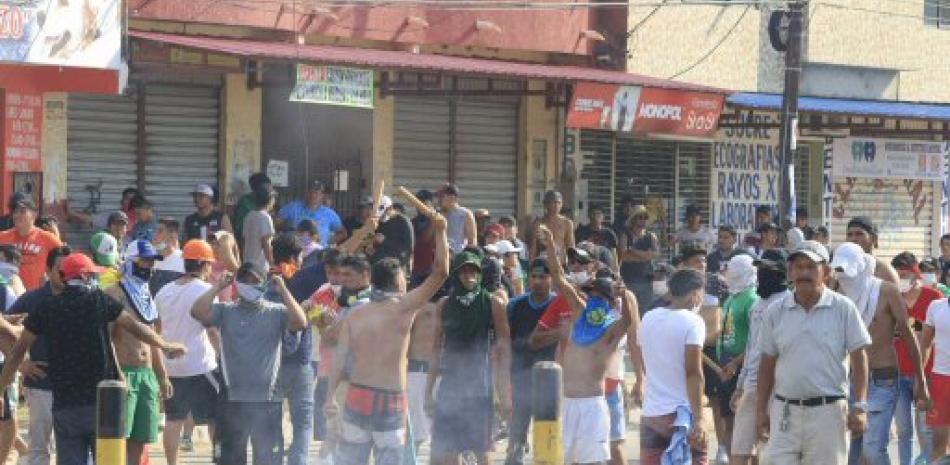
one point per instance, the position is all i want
(143, 408)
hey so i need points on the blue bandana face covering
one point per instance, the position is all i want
(597, 317)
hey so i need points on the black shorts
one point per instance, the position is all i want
(462, 424)
(710, 378)
(197, 395)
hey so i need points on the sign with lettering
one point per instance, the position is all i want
(23, 131)
(84, 33)
(277, 171)
(888, 159)
(675, 112)
(334, 85)
(603, 106)
(746, 169)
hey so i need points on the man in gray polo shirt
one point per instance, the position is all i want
(806, 342)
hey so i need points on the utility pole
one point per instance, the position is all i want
(788, 136)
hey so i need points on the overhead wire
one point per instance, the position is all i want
(722, 40)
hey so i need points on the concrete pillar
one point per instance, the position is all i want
(241, 136)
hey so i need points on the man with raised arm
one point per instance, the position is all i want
(372, 348)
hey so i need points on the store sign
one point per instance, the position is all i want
(334, 85)
(22, 131)
(746, 169)
(888, 159)
(75, 33)
(674, 112)
(277, 171)
(603, 106)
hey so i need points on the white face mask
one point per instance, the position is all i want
(929, 278)
(160, 246)
(250, 292)
(660, 288)
(578, 277)
(905, 285)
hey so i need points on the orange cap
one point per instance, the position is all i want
(197, 249)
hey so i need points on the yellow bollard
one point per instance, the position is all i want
(111, 415)
(546, 410)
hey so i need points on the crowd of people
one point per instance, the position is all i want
(379, 333)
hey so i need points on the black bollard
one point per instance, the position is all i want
(546, 411)
(111, 415)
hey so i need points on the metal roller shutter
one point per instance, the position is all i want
(694, 164)
(646, 172)
(902, 210)
(487, 148)
(181, 145)
(597, 148)
(101, 146)
(803, 177)
(422, 142)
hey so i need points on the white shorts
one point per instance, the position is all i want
(745, 434)
(421, 423)
(586, 430)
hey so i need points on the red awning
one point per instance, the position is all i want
(396, 60)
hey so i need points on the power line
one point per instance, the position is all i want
(942, 19)
(712, 50)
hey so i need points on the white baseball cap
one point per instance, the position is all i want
(505, 247)
(204, 189)
(849, 258)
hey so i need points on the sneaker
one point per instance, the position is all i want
(187, 444)
(722, 457)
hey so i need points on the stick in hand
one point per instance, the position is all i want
(419, 205)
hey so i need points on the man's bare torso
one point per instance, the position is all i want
(881, 353)
(129, 350)
(561, 228)
(586, 367)
(378, 335)
(423, 334)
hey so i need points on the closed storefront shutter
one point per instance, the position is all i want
(597, 148)
(181, 133)
(902, 210)
(646, 174)
(694, 163)
(487, 148)
(101, 143)
(422, 143)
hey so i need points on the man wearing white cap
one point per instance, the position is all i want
(883, 311)
(206, 220)
(394, 236)
(806, 342)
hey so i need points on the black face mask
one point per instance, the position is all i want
(141, 272)
(771, 282)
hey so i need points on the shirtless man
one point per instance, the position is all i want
(142, 364)
(561, 227)
(862, 231)
(375, 337)
(596, 331)
(421, 340)
(882, 309)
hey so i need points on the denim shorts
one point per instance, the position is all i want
(618, 418)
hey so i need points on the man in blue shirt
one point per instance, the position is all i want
(328, 222)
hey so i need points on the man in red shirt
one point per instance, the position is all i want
(33, 243)
(918, 297)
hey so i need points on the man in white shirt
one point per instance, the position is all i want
(937, 332)
(171, 266)
(193, 378)
(671, 340)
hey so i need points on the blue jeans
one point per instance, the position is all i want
(295, 383)
(904, 418)
(882, 399)
(75, 432)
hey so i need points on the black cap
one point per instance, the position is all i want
(693, 210)
(579, 255)
(23, 202)
(729, 229)
(507, 220)
(317, 185)
(553, 196)
(539, 265)
(662, 268)
(604, 286)
(864, 223)
(766, 227)
(425, 195)
(773, 258)
(116, 217)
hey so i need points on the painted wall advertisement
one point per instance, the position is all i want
(644, 111)
(22, 131)
(887, 158)
(334, 85)
(85, 33)
(746, 168)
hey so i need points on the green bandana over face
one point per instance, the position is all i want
(468, 311)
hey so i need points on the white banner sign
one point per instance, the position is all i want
(84, 33)
(745, 173)
(888, 159)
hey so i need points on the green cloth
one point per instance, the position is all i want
(143, 404)
(735, 323)
(944, 289)
(244, 206)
